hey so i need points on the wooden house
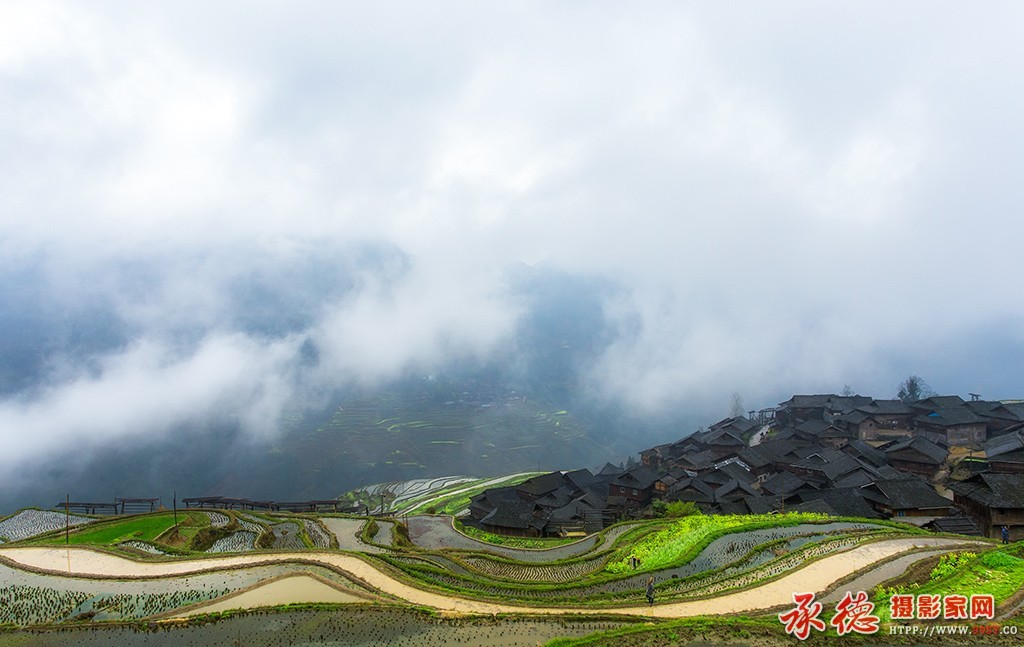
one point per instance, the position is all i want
(993, 500)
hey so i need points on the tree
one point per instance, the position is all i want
(913, 389)
(674, 508)
(737, 405)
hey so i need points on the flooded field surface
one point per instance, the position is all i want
(358, 626)
(346, 531)
(33, 598)
(281, 591)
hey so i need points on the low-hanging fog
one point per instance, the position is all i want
(215, 217)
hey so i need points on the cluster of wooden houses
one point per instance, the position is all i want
(941, 462)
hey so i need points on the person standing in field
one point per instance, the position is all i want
(650, 590)
(1005, 532)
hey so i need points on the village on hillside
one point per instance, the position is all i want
(940, 462)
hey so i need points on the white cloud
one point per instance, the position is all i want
(782, 194)
(149, 389)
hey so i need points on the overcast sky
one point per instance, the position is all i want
(787, 196)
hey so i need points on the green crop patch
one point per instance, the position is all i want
(141, 528)
(672, 544)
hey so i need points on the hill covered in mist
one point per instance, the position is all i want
(529, 403)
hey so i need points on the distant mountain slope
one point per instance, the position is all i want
(401, 434)
(414, 428)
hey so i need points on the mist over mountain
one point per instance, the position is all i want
(287, 250)
(530, 403)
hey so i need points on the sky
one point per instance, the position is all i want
(778, 198)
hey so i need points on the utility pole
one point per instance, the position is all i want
(175, 508)
(67, 519)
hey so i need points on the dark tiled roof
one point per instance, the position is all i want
(886, 407)
(753, 457)
(692, 490)
(737, 471)
(833, 431)
(580, 478)
(959, 524)
(539, 485)
(809, 450)
(741, 424)
(733, 489)
(716, 477)
(511, 514)
(679, 473)
(856, 478)
(846, 501)
(809, 401)
(889, 472)
(787, 433)
(812, 427)
(725, 437)
(829, 401)
(556, 498)
(998, 445)
(818, 505)
(783, 483)
(982, 406)
(699, 460)
(938, 402)
(687, 445)
(575, 509)
(947, 417)
(775, 450)
(491, 497)
(596, 491)
(928, 451)
(733, 507)
(830, 462)
(853, 417)
(905, 494)
(866, 452)
(993, 490)
(994, 410)
(1009, 457)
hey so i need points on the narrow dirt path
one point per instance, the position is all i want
(815, 577)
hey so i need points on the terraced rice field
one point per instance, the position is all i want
(355, 626)
(30, 523)
(217, 519)
(527, 572)
(403, 491)
(286, 536)
(252, 525)
(437, 533)
(745, 570)
(237, 542)
(142, 546)
(346, 532)
(28, 598)
(316, 533)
